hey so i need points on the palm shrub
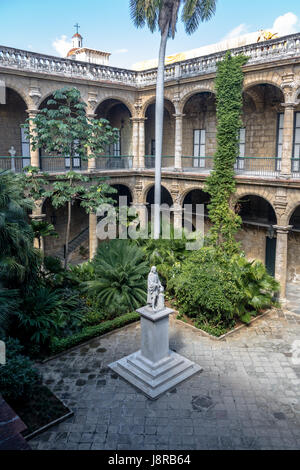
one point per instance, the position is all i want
(256, 285)
(120, 277)
(19, 261)
(43, 313)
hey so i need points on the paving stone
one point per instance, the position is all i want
(246, 397)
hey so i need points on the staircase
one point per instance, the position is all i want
(73, 244)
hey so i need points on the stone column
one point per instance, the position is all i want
(287, 139)
(142, 142)
(91, 161)
(178, 141)
(34, 154)
(135, 142)
(93, 240)
(177, 211)
(281, 258)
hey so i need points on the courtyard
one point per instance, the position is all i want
(246, 398)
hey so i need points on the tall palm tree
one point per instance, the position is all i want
(164, 15)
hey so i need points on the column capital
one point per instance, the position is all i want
(178, 115)
(138, 119)
(289, 105)
(282, 228)
(91, 115)
(32, 112)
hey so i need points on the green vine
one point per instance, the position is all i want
(221, 183)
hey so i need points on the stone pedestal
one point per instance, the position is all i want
(154, 369)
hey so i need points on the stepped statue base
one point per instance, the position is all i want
(154, 369)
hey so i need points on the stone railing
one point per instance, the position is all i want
(262, 52)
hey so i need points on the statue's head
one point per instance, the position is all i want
(153, 269)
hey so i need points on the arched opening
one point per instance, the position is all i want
(124, 192)
(168, 136)
(262, 131)
(257, 236)
(194, 198)
(199, 129)
(118, 154)
(79, 231)
(13, 141)
(57, 163)
(166, 199)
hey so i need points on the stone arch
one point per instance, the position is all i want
(20, 91)
(151, 100)
(272, 216)
(291, 208)
(149, 186)
(259, 192)
(196, 91)
(129, 105)
(187, 190)
(260, 79)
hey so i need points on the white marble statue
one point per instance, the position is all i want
(155, 295)
(13, 152)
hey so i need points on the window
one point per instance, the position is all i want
(296, 146)
(279, 140)
(76, 160)
(240, 163)
(199, 148)
(25, 149)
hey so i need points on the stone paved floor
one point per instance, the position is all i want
(293, 297)
(247, 397)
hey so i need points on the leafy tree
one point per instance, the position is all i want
(68, 188)
(221, 182)
(163, 14)
(62, 128)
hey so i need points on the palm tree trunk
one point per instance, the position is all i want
(159, 123)
(68, 234)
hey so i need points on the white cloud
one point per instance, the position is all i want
(286, 24)
(120, 51)
(62, 45)
(236, 32)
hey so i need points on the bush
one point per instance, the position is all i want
(205, 288)
(61, 344)
(216, 289)
(17, 377)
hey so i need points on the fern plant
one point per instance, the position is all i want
(120, 276)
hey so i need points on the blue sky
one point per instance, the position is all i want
(106, 25)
